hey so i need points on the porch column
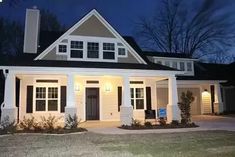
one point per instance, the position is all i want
(173, 112)
(218, 104)
(9, 108)
(71, 108)
(126, 109)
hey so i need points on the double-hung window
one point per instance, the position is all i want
(62, 49)
(92, 50)
(46, 98)
(189, 66)
(108, 51)
(182, 66)
(137, 98)
(76, 49)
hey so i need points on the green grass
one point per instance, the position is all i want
(191, 144)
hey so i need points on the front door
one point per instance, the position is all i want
(92, 104)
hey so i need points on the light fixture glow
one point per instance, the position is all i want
(77, 88)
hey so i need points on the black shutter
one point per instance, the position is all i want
(29, 100)
(148, 98)
(119, 97)
(62, 98)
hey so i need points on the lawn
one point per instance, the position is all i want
(192, 144)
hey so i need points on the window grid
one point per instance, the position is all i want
(108, 51)
(62, 49)
(121, 51)
(76, 49)
(189, 66)
(137, 98)
(92, 50)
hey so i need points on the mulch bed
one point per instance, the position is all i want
(167, 126)
(54, 131)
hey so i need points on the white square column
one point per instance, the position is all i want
(9, 108)
(70, 108)
(218, 104)
(173, 112)
(126, 109)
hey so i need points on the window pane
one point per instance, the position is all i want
(139, 93)
(92, 50)
(76, 54)
(108, 46)
(121, 51)
(132, 92)
(108, 55)
(62, 48)
(139, 103)
(41, 92)
(40, 105)
(52, 105)
(174, 65)
(189, 66)
(167, 63)
(77, 44)
(52, 92)
(182, 66)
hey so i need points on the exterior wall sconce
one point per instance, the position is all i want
(205, 90)
(108, 87)
(77, 88)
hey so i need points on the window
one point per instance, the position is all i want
(167, 63)
(189, 66)
(182, 66)
(121, 51)
(174, 65)
(92, 50)
(76, 49)
(137, 98)
(46, 99)
(108, 51)
(62, 49)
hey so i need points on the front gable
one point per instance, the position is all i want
(91, 39)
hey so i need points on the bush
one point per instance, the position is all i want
(29, 124)
(175, 122)
(185, 106)
(162, 121)
(49, 123)
(72, 122)
(148, 124)
(6, 126)
(135, 123)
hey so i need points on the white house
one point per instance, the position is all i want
(94, 72)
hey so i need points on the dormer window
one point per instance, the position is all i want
(121, 52)
(189, 66)
(182, 66)
(62, 49)
(108, 51)
(76, 49)
(174, 65)
(92, 50)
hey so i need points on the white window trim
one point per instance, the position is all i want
(126, 52)
(115, 51)
(69, 49)
(59, 53)
(47, 85)
(138, 86)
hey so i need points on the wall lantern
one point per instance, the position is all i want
(108, 87)
(77, 88)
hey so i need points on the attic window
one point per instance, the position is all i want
(121, 52)
(108, 51)
(76, 49)
(92, 50)
(189, 66)
(62, 49)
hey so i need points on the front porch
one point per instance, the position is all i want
(114, 97)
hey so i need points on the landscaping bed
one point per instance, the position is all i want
(166, 126)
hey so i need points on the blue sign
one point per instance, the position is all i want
(162, 113)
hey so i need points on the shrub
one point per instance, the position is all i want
(49, 123)
(175, 122)
(185, 106)
(29, 124)
(148, 124)
(135, 123)
(162, 121)
(72, 122)
(7, 126)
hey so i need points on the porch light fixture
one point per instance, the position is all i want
(77, 88)
(108, 87)
(205, 90)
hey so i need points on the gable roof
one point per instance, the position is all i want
(79, 23)
(167, 54)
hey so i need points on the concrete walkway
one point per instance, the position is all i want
(205, 122)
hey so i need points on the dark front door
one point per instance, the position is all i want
(92, 104)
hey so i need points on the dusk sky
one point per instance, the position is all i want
(121, 14)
